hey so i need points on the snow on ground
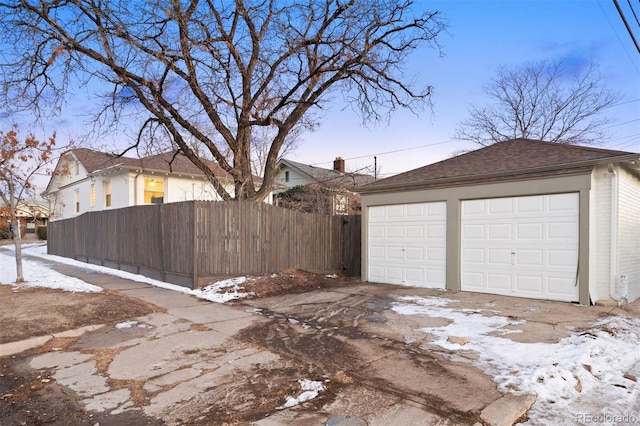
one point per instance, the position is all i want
(310, 389)
(588, 377)
(38, 275)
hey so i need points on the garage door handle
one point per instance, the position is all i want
(513, 257)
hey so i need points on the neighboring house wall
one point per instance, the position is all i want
(74, 191)
(290, 178)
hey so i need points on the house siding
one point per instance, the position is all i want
(628, 259)
(295, 178)
(601, 235)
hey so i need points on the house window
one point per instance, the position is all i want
(153, 190)
(342, 204)
(286, 176)
(76, 198)
(92, 195)
(107, 193)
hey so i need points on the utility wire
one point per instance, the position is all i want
(633, 12)
(613, 28)
(626, 24)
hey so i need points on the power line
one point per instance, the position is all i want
(626, 24)
(389, 152)
(618, 37)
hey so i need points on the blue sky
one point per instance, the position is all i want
(483, 35)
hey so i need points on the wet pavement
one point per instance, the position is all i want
(206, 363)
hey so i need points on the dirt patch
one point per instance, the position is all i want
(30, 312)
(293, 281)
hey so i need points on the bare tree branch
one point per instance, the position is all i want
(540, 101)
(213, 74)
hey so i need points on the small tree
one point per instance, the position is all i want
(542, 101)
(21, 160)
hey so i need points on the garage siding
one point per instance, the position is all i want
(629, 231)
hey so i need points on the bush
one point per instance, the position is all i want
(42, 232)
(4, 233)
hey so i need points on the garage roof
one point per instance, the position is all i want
(504, 161)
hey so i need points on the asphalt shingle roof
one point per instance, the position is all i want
(93, 161)
(511, 158)
(331, 177)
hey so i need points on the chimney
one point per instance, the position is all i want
(338, 165)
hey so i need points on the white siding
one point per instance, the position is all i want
(600, 250)
(186, 189)
(628, 259)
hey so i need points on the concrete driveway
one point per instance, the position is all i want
(207, 363)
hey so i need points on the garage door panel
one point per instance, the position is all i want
(394, 253)
(530, 258)
(500, 282)
(563, 203)
(529, 284)
(473, 255)
(529, 205)
(530, 246)
(499, 257)
(473, 232)
(414, 276)
(415, 231)
(377, 252)
(530, 231)
(562, 230)
(415, 254)
(414, 243)
(500, 205)
(562, 258)
(500, 231)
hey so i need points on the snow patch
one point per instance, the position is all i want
(310, 390)
(39, 275)
(582, 376)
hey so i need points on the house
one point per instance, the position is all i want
(518, 218)
(318, 190)
(31, 214)
(86, 180)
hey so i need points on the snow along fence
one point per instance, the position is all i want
(190, 242)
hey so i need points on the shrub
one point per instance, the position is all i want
(42, 232)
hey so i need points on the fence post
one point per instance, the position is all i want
(195, 205)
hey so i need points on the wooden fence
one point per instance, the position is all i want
(191, 242)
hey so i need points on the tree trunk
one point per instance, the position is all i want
(18, 242)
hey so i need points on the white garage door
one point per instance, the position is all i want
(407, 244)
(521, 246)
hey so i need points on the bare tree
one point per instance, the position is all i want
(21, 161)
(210, 73)
(541, 101)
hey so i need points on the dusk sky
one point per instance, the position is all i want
(482, 36)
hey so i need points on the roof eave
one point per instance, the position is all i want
(512, 174)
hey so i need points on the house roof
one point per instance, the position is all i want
(170, 161)
(330, 177)
(508, 160)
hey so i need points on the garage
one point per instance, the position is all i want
(521, 246)
(407, 244)
(522, 218)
